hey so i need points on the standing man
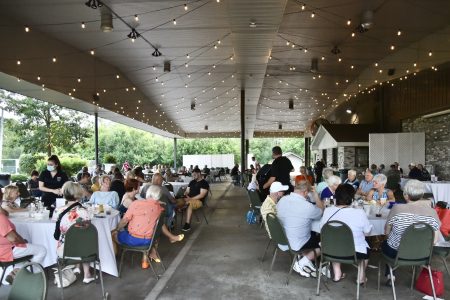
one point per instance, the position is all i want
(281, 169)
(318, 168)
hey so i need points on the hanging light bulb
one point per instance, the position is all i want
(174, 22)
(83, 25)
(349, 21)
(313, 14)
(19, 62)
(136, 18)
(185, 7)
(92, 52)
(54, 59)
(303, 6)
(399, 32)
(27, 29)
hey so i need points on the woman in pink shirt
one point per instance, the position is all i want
(141, 218)
(13, 246)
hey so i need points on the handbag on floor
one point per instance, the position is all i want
(68, 276)
(251, 217)
(423, 282)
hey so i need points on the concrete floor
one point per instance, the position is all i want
(222, 261)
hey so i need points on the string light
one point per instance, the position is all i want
(92, 52)
(174, 22)
(154, 68)
(54, 59)
(303, 6)
(83, 26)
(18, 62)
(349, 21)
(27, 29)
(215, 46)
(353, 34)
(313, 14)
(185, 7)
(392, 47)
(399, 32)
(430, 53)
(136, 18)
(79, 80)
(117, 76)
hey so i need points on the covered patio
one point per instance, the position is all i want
(239, 69)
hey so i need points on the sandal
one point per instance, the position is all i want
(338, 280)
(180, 237)
(11, 276)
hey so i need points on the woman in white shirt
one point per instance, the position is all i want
(104, 196)
(357, 220)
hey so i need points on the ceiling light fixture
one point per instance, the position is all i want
(106, 21)
(366, 21)
(156, 53)
(335, 50)
(93, 4)
(133, 35)
(252, 24)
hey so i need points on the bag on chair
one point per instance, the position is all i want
(251, 217)
(68, 276)
(423, 282)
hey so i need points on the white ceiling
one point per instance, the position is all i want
(257, 60)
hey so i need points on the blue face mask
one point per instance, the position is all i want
(50, 168)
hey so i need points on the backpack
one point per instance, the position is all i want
(251, 217)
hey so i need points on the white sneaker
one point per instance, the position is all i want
(76, 270)
(310, 265)
(299, 269)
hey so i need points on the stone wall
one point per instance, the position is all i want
(346, 157)
(437, 141)
(329, 156)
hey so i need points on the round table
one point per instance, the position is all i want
(40, 232)
(439, 189)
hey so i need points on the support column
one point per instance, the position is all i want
(96, 138)
(247, 147)
(243, 158)
(307, 151)
(175, 154)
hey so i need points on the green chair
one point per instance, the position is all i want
(337, 245)
(81, 246)
(279, 237)
(145, 250)
(28, 285)
(415, 249)
(6, 264)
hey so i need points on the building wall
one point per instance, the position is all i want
(346, 157)
(329, 156)
(437, 141)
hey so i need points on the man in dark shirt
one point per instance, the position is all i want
(195, 194)
(281, 169)
(414, 172)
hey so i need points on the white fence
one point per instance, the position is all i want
(211, 160)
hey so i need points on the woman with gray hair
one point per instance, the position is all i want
(326, 173)
(402, 216)
(332, 183)
(155, 192)
(379, 191)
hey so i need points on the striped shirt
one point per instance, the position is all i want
(404, 215)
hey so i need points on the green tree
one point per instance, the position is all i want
(45, 127)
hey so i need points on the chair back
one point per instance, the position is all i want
(28, 285)
(276, 230)
(81, 240)
(416, 244)
(254, 199)
(169, 186)
(180, 192)
(337, 242)
(158, 226)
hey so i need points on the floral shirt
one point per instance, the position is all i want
(76, 215)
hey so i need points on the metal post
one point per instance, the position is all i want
(307, 151)
(175, 153)
(96, 138)
(243, 158)
(247, 147)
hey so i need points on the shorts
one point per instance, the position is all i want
(124, 237)
(312, 243)
(195, 204)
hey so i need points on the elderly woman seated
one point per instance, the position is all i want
(326, 173)
(9, 198)
(402, 216)
(105, 196)
(141, 218)
(357, 220)
(379, 191)
(77, 215)
(333, 182)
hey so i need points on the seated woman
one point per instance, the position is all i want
(379, 191)
(332, 183)
(131, 190)
(9, 198)
(326, 173)
(95, 187)
(402, 216)
(304, 176)
(141, 218)
(13, 246)
(105, 196)
(357, 220)
(77, 215)
(33, 184)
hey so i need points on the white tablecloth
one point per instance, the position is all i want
(40, 232)
(378, 223)
(440, 189)
(178, 185)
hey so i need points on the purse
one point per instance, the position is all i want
(68, 276)
(423, 282)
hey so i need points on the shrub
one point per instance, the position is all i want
(27, 162)
(70, 164)
(109, 159)
(19, 177)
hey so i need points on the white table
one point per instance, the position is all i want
(40, 232)
(440, 189)
(378, 223)
(177, 185)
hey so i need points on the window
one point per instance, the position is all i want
(362, 157)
